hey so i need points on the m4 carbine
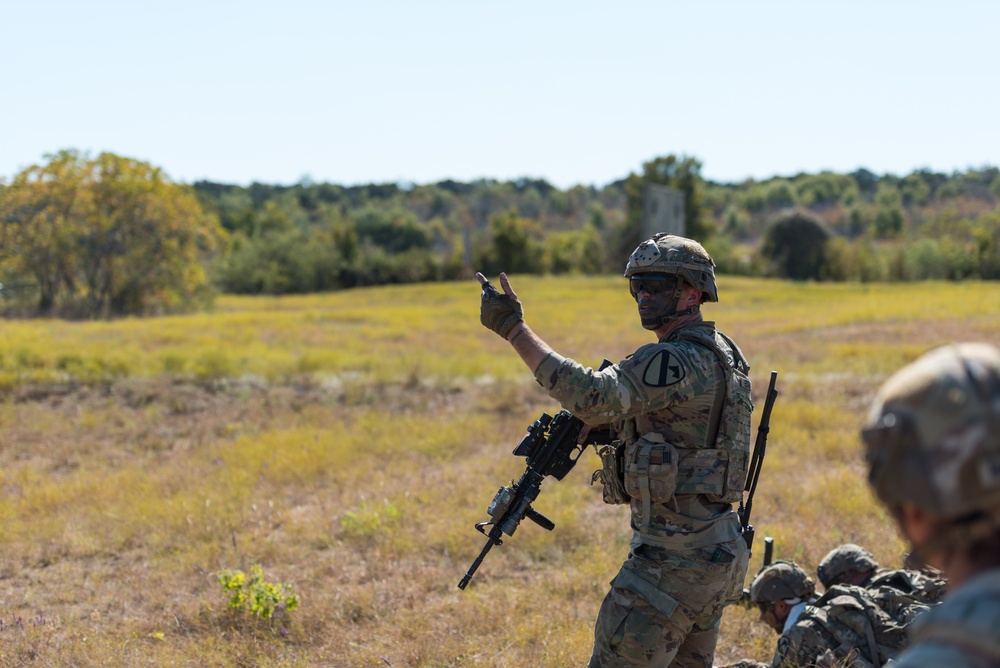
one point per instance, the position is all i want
(551, 449)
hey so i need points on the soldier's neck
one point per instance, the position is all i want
(683, 321)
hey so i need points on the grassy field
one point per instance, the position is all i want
(347, 443)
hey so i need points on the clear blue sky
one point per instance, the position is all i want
(572, 92)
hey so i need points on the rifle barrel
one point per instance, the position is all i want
(475, 564)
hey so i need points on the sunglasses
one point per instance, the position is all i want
(651, 283)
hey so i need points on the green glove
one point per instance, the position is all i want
(499, 312)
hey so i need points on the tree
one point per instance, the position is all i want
(514, 246)
(682, 173)
(106, 237)
(795, 246)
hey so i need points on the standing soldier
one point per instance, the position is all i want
(932, 444)
(679, 412)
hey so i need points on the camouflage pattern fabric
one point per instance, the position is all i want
(906, 594)
(668, 389)
(846, 626)
(842, 559)
(688, 558)
(665, 606)
(962, 632)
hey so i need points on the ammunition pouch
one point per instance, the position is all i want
(651, 469)
(655, 471)
(612, 473)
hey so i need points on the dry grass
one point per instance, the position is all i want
(347, 443)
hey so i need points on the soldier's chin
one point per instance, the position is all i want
(652, 323)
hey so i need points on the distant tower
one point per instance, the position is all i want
(662, 210)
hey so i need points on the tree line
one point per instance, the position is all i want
(112, 236)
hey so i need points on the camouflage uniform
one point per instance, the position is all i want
(932, 443)
(846, 627)
(903, 593)
(679, 410)
(688, 559)
(842, 559)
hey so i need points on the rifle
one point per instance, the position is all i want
(550, 448)
(757, 461)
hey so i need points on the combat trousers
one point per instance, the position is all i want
(665, 606)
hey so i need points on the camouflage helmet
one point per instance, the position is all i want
(844, 558)
(932, 437)
(782, 580)
(671, 254)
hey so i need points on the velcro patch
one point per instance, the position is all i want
(663, 369)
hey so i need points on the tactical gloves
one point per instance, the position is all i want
(499, 312)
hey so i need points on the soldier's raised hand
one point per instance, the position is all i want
(498, 311)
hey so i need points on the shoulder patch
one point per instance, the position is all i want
(663, 369)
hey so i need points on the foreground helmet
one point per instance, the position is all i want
(781, 581)
(671, 254)
(844, 558)
(933, 438)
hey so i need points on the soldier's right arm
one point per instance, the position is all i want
(801, 646)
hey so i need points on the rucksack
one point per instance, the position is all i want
(914, 584)
(854, 623)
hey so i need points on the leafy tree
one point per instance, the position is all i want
(888, 222)
(278, 262)
(889, 215)
(106, 237)
(395, 231)
(682, 173)
(780, 194)
(825, 189)
(573, 252)
(514, 246)
(795, 246)
(866, 180)
(915, 190)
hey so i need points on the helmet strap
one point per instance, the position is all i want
(691, 310)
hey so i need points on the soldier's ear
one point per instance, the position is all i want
(919, 526)
(690, 297)
(781, 610)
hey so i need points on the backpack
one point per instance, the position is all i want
(914, 584)
(849, 621)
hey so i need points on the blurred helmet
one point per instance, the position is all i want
(932, 437)
(671, 254)
(782, 580)
(844, 558)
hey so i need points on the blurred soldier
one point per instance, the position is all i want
(679, 415)
(932, 444)
(781, 591)
(844, 627)
(847, 564)
(904, 593)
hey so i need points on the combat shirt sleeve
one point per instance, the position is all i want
(657, 376)
(802, 645)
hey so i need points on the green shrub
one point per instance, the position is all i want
(252, 594)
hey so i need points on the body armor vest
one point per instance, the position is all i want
(654, 470)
